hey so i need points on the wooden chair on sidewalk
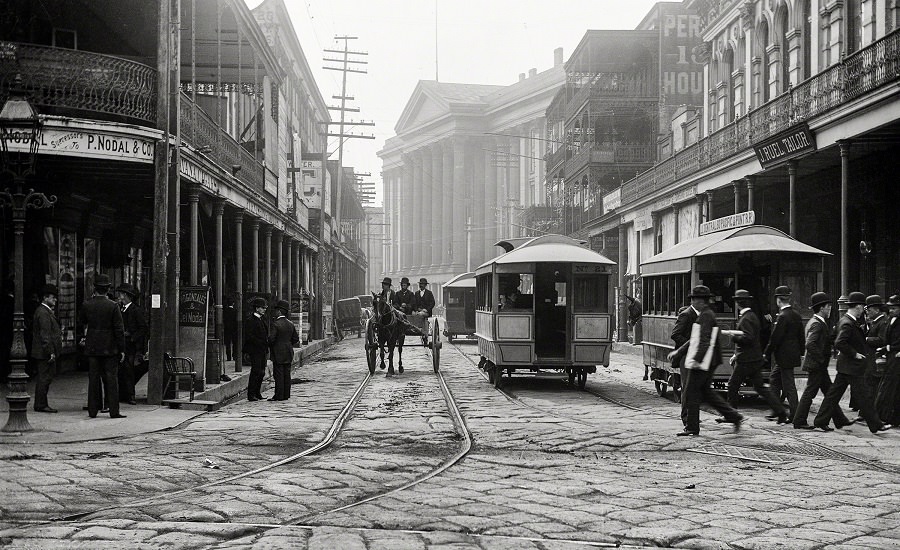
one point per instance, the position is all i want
(178, 368)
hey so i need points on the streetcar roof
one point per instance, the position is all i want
(549, 248)
(754, 238)
(515, 242)
(463, 280)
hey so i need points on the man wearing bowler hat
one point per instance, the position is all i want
(785, 349)
(104, 346)
(387, 293)
(256, 342)
(681, 333)
(282, 338)
(405, 300)
(701, 356)
(819, 337)
(46, 346)
(887, 402)
(135, 322)
(851, 365)
(424, 298)
(876, 327)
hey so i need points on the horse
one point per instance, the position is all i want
(389, 328)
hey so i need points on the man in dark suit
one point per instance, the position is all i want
(698, 386)
(818, 353)
(748, 357)
(135, 322)
(681, 333)
(424, 298)
(404, 299)
(876, 328)
(785, 346)
(387, 293)
(887, 401)
(851, 365)
(45, 347)
(256, 342)
(104, 346)
(282, 338)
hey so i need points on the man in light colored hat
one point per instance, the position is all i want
(424, 298)
(46, 347)
(785, 349)
(104, 347)
(135, 321)
(819, 338)
(887, 401)
(851, 365)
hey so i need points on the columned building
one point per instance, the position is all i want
(464, 165)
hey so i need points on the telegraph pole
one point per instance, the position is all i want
(345, 63)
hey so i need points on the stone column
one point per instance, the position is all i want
(194, 202)
(654, 220)
(709, 205)
(437, 206)
(676, 213)
(239, 288)
(792, 198)
(218, 213)
(404, 216)
(737, 195)
(845, 225)
(750, 184)
(416, 234)
(489, 197)
(757, 83)
(448, 195)
(478, 211)
(701, 210)
(622, 330)
(278, 242)
(267, 259)
(254, 254)
(427, 203)
(288, 267)
(459, 209)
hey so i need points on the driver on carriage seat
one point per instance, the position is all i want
(387, 293)
(424, 298)
(404, 300)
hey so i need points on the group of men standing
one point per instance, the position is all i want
(867, 344)
(407, 301)
(260, 336)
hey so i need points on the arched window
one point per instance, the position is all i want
(727, 69)
(784, 61)
(854, 26)
(762, 36)
(806, 26)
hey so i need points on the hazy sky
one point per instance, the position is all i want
(479, 41)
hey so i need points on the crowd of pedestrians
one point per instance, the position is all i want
(866, 343)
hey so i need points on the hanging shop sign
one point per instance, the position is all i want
(612, 200)
(734, 221)
(85, 143)
(789, 144)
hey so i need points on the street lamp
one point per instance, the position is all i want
(20, 132)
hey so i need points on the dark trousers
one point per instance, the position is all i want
(105, 368)
(783, 385)
(887, 402)
(282, 374)
(817, 380)
(257, 373)
(127, 376)
(697, 389)
(684, 374)
(751, 372)
(863, 399)
(46, 371)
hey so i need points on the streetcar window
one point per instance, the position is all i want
(483, 287)
(589, 294)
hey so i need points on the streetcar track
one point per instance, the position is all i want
(831, 453)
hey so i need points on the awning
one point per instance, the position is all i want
(550, 248)
(464, 280)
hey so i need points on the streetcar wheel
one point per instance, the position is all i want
(582, 379)
(436, 347)
(498, 377)
(661, 387)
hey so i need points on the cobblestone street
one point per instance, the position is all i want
(549, 467)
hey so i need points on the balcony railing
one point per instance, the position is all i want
(858, 74)
(202, 132)
(611, 153)
(59, 79)
(619, 85)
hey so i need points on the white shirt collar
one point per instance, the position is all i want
(280, 317)
(697, 311)
(877, 318)
(48, 307)
(126, 306)
(782, 308)
(819, 317)
(852, 316)
(257, 315)
(743, 309)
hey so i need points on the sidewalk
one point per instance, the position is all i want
(68, 394)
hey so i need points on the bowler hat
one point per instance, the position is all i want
(423, 281)
(819, 299)
(742, 294)
(700, 291)
(47, 290)
(783, 291)
(127, 289)
(856, 298)
(258, 302)
(283, 305)
(387, 281)
(404, 280)
(101, 280)
(894, 300)
(874, 300)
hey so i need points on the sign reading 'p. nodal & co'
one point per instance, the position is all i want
(789, 144)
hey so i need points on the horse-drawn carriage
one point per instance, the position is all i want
(388, 328)
(349, 316)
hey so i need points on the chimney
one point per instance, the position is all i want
(521, 77)
(557, 57)
(532, 72)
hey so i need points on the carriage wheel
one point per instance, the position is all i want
(582, 379)
(675, 382)
(498, 377)
(661, 387)
(436, 346)
(490, 373)
(371, 348)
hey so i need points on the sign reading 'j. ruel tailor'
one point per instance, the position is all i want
(787, 145)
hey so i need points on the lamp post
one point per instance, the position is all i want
(20, 130)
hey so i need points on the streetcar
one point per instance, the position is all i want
(541, 306)
(459, 306)
(756, 258)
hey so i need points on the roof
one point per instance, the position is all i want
(463, 280)
(550, 248)
(754, 238)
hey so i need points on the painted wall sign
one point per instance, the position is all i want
(612, 200)
(195, 173)
(643, 221)
(193, 323)
(733, 221)
(81, 143)
(789, 144)
(676, 198)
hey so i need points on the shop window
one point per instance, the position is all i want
(590, 293)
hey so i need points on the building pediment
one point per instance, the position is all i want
(432, 100)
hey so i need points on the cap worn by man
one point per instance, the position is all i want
(423, 281)
(874, 300)
(49, 290)
(783, 291)
(742, 294)
(284, 306)
(700, 291)
(258, 302)
(819, 299)
(404, 281)
(894, 300)
(102, 281)
(856, 299)
(387, 281)
(127, 289)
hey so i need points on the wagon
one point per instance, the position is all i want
(459, 306)
(544, 306)
(425, 328)
(348, 316)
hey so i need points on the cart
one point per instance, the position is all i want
(348, 316)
